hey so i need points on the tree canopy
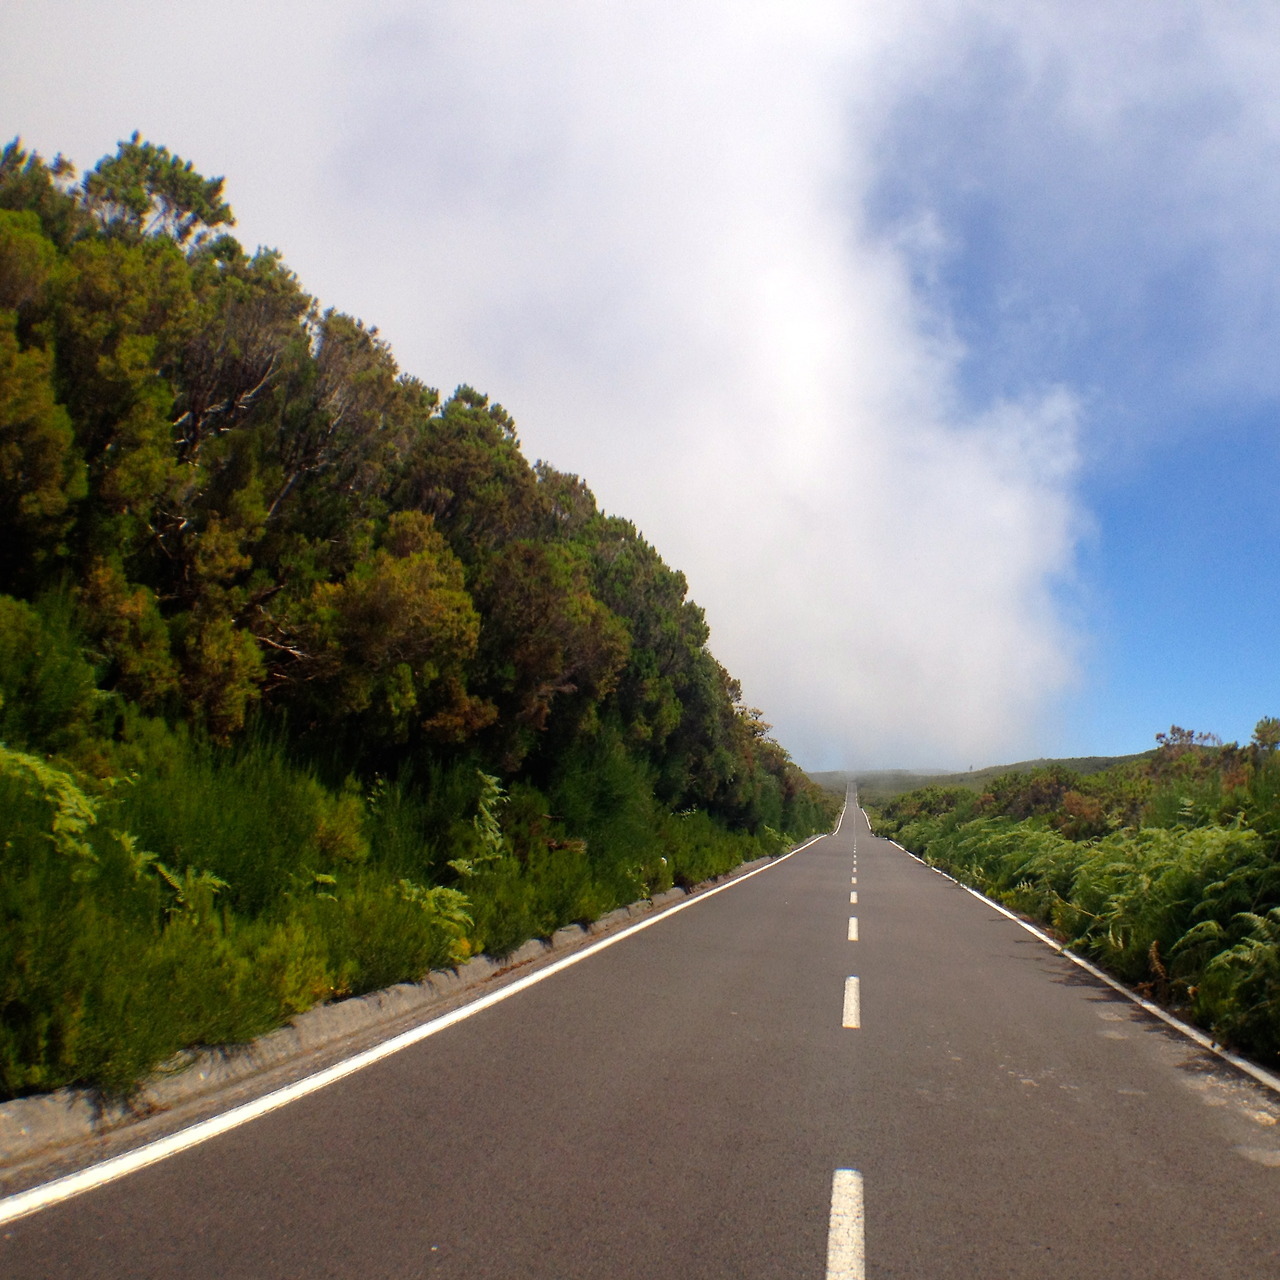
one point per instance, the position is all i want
(255, 513)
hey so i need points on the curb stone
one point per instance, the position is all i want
(567, 936)
(608, 921)
(660, 900)
(41, 1126)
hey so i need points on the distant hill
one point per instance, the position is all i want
(881, 784)
(831, 781)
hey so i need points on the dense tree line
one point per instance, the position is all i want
(232, 529)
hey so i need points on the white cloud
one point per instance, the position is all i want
(641, 227)
(644, 235)
(1116, 170)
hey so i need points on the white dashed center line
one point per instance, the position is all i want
(846, 1245)
(852, 1004)
(846, 1236)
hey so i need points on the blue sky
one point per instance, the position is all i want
(934, 339)
(1136, 263)
(1183, 579)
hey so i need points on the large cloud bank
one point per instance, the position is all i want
(657, 233)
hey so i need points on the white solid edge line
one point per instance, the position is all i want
(853, 928)
(846, 1234)
(1260, 1074)
(852, 1005)
(31, 1201)
(835, 831)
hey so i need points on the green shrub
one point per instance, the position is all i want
(1239, 994)
(376, 932)
(48, 696)
(110, 961)
(246, 814)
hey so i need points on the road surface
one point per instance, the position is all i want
(687, 1103)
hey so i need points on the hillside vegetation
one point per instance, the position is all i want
(309, 681)
(879, 785)
(1165, 868)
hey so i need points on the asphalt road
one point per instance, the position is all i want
(678, 1104)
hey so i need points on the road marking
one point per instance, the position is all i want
(853, 928)
(854, 880)
(852, 1004)
(839, 821)
(97, 1175)
(846, 1236)
(853, 899)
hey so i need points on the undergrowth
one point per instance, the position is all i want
(203, 895)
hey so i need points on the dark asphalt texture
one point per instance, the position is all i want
(674, 1106)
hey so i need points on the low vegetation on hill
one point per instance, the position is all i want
(883, 784)
(309, 681)
(1164, 868)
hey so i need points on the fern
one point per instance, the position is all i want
(487, 826)
(71, 812)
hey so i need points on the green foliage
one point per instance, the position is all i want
(349, 689)
(391, 641)
(376, 931)
(486, 822)
(29, 184)
(67, 813)
(1240, 990)
(247, 815)
(112, 959)
(48, 694)
(42, 475)
(698, 848)
(143, 190)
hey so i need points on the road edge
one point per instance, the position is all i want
(1259, 1074)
